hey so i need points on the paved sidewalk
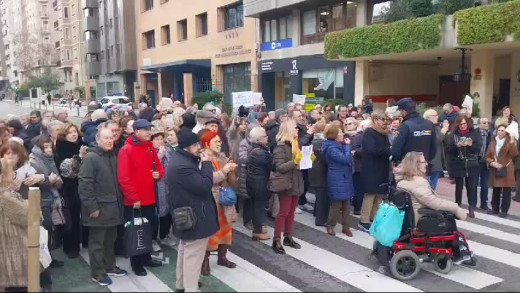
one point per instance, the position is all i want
(73, 112)
(447, 190)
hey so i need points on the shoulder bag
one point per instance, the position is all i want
(501, 172)
(184, 218)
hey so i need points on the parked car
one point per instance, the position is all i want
(114, 100)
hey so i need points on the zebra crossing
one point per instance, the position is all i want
(338, 263)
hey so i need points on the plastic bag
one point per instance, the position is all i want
(387, 224)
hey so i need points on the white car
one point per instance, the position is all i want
(119, 101)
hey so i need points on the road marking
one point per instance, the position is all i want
(247, 277)
(341, 268)
(495, 254)
(460, 274)
(131, 282)
(498, 220)
(486, 231)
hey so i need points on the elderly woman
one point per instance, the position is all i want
(356, 137)
(437, 167)
(223, 175)
(258, 170)
(318, 176)
(501, 154)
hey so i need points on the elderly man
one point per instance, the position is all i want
(449, 113)
(62, 115)
(202, 116)
(99, 191)
(485, 133)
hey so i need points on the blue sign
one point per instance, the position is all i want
(282, 44)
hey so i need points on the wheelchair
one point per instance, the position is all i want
(434, 240)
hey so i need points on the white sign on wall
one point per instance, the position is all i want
(257, 99)
(242, 99)
(300, 99)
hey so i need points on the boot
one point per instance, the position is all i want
(277, 246)
(260, 237)
(289, 241)
(205, 271)
(471, 213)
(222, 260)
(347, 232)
(330, 230)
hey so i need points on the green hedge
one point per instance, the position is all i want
(397, 37)
(489, 23)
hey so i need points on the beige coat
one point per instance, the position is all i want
(13, 239)
(423, 196)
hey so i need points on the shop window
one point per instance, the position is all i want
(202, 24)
(149, 40)
(231, 16)
(165, 35)
(182, 30)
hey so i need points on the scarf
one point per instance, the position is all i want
(500, 144)
(463, 132)
(47, 164)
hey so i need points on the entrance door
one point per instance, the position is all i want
(151, 94)
(451, 91)
(504, 94)
(237, 78)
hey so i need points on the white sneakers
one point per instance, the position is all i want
(155, 246)
(167, 241)
(307, 207)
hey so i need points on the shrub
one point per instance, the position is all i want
(207, 97)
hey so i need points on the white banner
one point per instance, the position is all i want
(257, 99)
(242, 99)
(300, 99)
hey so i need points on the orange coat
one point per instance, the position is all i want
(506, 156)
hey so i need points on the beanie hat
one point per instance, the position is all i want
(406, 104)
(279, 113)
(207, 137)
(186, 138)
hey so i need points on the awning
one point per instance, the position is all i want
(179, 66)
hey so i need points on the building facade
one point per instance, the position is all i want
(110, 51)
(66, 18)
(291, 35)
(186, 47)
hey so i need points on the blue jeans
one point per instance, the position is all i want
(484, 184)
(434, 178)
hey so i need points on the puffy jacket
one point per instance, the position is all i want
(89, 130)
(243, 153)
(134, 167)
(284, 163)
(424, 196)
(190, 186)
(258, 170)
(339, 170)
(99, 190)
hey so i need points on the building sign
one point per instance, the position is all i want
(295, 65)
(282, 44)
(233, 51)
(294, 70)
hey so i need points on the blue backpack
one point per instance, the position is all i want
(387, 224)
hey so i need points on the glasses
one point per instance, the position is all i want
(350, 123)
(213, 110)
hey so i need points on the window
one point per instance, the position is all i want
(309, 22)
(324, 19)
(149, 40)
(75, 53)
(68, 55)
(110, 23)
(65, 12)
(92, 57)
(202, 24)
(45, 26)
(232, 16)
(73, 8)
(77, 79)
(164, 1)
(74, 33)
(147, 5)
(182, 30)
(89, 12)
(277, 29)
(165, 35)
(101, 30)
(67, 33)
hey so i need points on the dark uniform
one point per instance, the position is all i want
(415, 134)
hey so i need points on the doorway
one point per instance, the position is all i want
(504, 94)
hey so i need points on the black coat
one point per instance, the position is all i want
(259, 164)
(272, 127)
(66, 150)
(25, 137)
(356, 142)
(190, 186)
(463, 161)
(33, 129)
(375, 164)
(318, 172)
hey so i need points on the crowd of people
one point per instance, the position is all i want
(167, 162)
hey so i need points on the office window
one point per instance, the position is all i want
(232, 16)
(147, 5)
(149, 40)
(202, 24)
(165, 35)
(277, 29)
(182, 30)
(65, 12)
(309, 22)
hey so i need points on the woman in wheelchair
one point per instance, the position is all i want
(411, 178)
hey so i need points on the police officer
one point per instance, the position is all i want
(415, 134)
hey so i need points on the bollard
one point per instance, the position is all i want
(33, 240)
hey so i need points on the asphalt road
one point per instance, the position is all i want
(8, 107)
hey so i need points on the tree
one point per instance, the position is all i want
(47, 82)
(30, 51)
(450, 6)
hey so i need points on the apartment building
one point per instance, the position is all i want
(66, 18)
(291, 42)
(190, 46)
(11, 16)
(110, 50)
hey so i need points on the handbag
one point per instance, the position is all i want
(501, 172)
(387, 224)
(278, 183)
(227, 196)
(184, 218)
(138, 235)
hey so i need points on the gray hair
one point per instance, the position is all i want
(98, 114)
(480, 119)
(107, 124)
(100, 129)
(208, 106)
(429, 113)
(53, 124)
(447, 107)
(256, 133)
(378, 115)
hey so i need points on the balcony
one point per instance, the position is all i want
(90, 4)
(91, 23)
(66, 42)
(93, 68)
(65, 64)
(92, 46)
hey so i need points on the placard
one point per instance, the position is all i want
(242, 99)
(257, 99)
(306, 160)
(300, 99)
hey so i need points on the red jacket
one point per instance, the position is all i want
(134, 168)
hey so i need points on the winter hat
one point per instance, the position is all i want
(279, 113)
(186, 138)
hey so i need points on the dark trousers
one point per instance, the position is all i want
(484, 184)
(101, 249)
(303, 199)
(471, 189)
(357, 201)
(247, 210)
(258, 206)
(339, 210)
(165, 224)
(321, 207)
(75, 235)
(120, 244)
(147, 212)
(285, 220)
(501, 203)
